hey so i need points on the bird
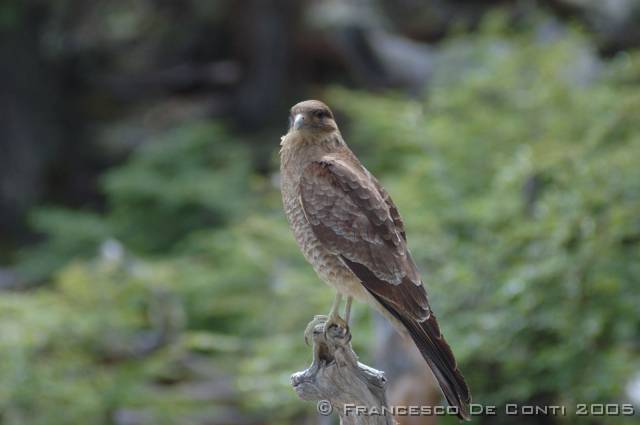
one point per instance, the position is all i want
(351, 232)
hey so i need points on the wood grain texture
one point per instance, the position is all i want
(336, 377)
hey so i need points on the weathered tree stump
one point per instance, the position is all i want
(342, 384)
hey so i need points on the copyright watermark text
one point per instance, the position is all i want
(325, 408)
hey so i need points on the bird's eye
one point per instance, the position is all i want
(320, 114)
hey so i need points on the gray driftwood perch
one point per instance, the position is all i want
(336, 379)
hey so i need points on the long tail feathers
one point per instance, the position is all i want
(435, 350)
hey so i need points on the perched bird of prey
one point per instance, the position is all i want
(350, 231)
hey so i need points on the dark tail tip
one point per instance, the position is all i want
(439, 357)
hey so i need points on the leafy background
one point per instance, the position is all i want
(149, 275)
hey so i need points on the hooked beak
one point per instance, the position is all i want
(298, 122)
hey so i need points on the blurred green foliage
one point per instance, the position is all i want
(197, 177)
(517, 175)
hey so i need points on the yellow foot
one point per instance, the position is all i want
(337, 321)
(328, 322)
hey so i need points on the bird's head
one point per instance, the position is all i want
(312, 118)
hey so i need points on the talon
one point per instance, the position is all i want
(336, 321)
(333, 319)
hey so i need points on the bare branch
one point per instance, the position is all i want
(336, 377)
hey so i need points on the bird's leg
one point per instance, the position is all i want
(332, 319)
(347, 310)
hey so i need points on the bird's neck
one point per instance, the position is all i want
(297, 151)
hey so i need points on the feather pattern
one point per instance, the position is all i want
(356, 220)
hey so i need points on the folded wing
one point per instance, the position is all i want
(353, 217)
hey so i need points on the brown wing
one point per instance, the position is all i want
(351, 218)
(393, 210)
(355, 218)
